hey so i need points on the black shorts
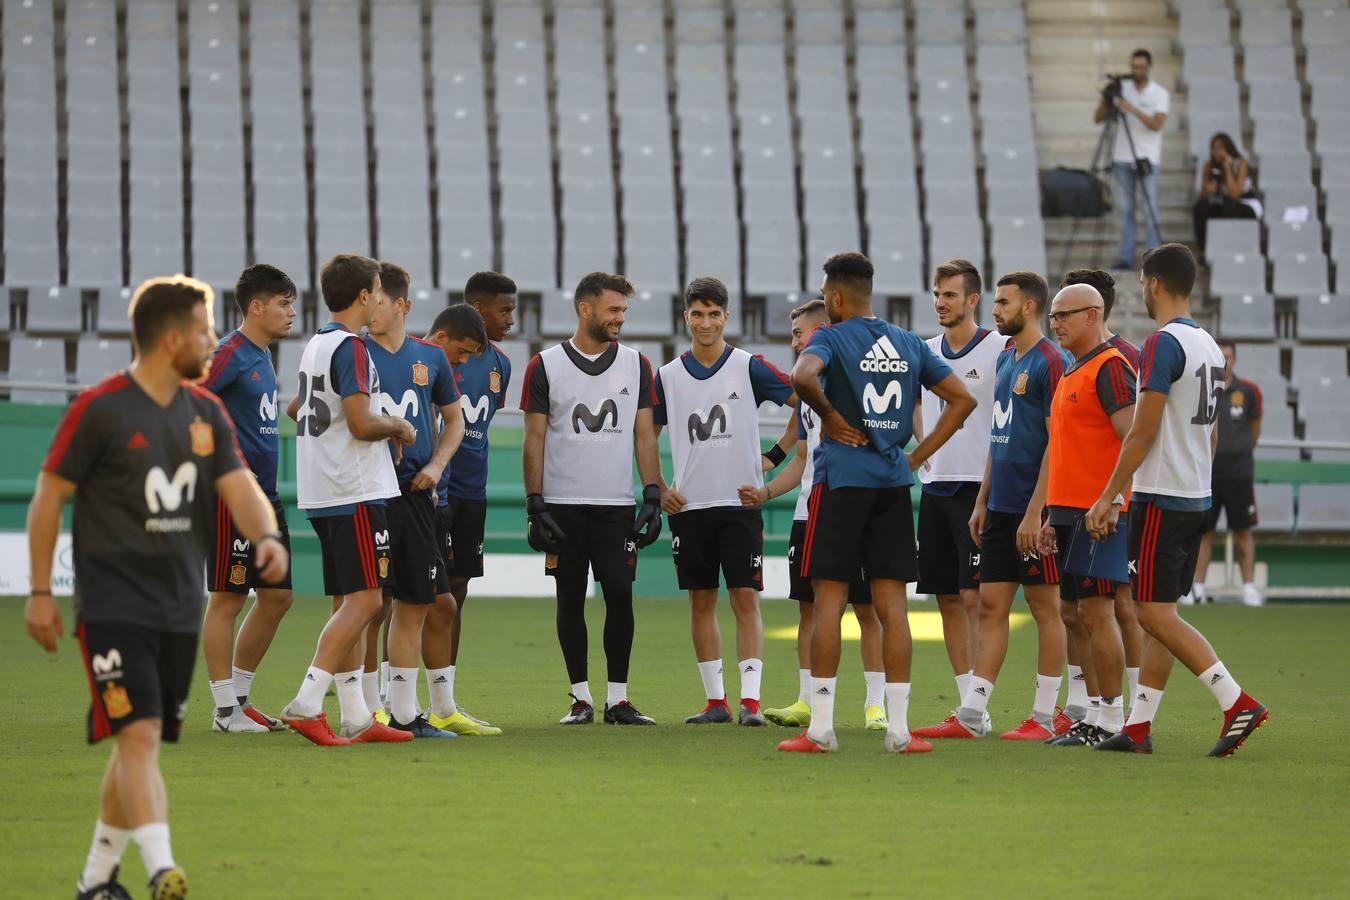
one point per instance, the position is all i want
(725, 538)
(949, 561)
(1073, 588)
(599, 540)
(1000, 560)
(416, 570)
(135, 673)
(460, 527)
(853, 529)
(1164, 548)
(355, 549)
(232, 566)
(1236, 496)
(799, 586)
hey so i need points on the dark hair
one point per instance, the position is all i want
(851, 268)
(808, 308)
(486, 285)
(1101, 280)
(164, 303)
(959, 267)
(1174, 266)
(1031, 285)
(706, 290)
(461, 321)
(1223, 138)
(261, 280)
(594, 284)
(1140, 51)
(395, 280)
(344, 277)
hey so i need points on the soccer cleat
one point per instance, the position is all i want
(1246, 716)
(382, 716)
(1029, 730)
(375, 732)
(315, 728)
(463, 724)
(875, 719)
(804, 743)
(420, 728)
(1134, 739)
(911, 745)
(949, 727)
(625, 713)
(1061, 723)
(582, 713)
(111, 889)
(1251, 596)
(798, 715)
(1080, 735)
(750, 716)
(472, 718)
(237, 722)
(169, 884)
(715, 713)
(262, 718)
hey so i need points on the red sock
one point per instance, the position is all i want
(752, 705)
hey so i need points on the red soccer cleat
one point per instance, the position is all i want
(1246, 716)
(1029, 730)
(377, 733)
(803, 744)
(1061, 722)
(947, 728)
(914, 745)
(316, 729)
(263, 718)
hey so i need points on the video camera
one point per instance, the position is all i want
(1114, 84)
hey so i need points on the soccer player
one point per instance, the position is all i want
(1168, 452)
(1007, 517)
(415, 380)
(241, 374)
(1239, 426)
(711, 394)
(588, 412)
(1089, 414)
(800, 473)
(860, 375)
(145, 454)
(461, 516)
(949, 561)
(344, 477)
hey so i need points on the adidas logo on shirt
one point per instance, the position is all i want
(973, 374)
(624, 392)
(883, 357)
(734, 396)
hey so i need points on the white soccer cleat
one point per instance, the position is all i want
(1251, 596)
(238, 722)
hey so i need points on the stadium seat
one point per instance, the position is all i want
(1247, 316)
(1324, 317)
(98, 357)
(1300, 273)
(37, 360)
(1322, 395)
(1275, 508)
(1237, 273)
(1317, 362)
(1277, 423)
(1290, 238)
(1229, 237)
(1324, 507)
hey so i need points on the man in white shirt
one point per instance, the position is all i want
(1143, 106)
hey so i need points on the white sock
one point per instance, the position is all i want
(804, 685)
(1222, 685)
(876, 689)
(384, 680)
(1112, 715)
(402, 694)
(222, 692)
(370, 689)
(153, 842)
(105, 852)
(711, 673)
(1047, 691)
(977, 698)
(616, 693)
(243, 684)
(822, 708)
(1094, 711)
(1199, 590)
(309, 701)
(897, 703)
(351, 700)
(1145, 706)
(582, 691)
(1132, 676)
(441, 688)
(1078, 695)
(752, 670)
(963, 686)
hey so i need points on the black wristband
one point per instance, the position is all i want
(534, 504)
(46, 593)
(775, 454)
(274, 535)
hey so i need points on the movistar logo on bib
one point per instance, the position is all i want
(702, 429)
(883, 357)
(595, 421)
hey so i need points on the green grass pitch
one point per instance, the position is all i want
(678, 811)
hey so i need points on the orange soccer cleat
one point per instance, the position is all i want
(1029, 730)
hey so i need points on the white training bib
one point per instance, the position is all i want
(1179, 462)
(714, 431)
(963, 457)
(588, 451)
(332, 467)
(811, 422)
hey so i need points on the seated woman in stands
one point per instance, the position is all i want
(1225, 187)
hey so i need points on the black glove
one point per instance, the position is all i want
(647, 525)
(542, 530)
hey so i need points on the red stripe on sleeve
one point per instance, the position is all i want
(66, 432)
(777, 372)
(651, 379)
(525, 388)
(361, 364)
(222, 359)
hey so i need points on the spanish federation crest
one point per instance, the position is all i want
(1020, 385)
(203, 438)
(384, 567)
(495, 381)
(238, 574)
(420, 375)
(116, 701)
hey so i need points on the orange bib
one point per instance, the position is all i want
(1083, 445)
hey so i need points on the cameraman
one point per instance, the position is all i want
(1225, 187)
(1140, 102)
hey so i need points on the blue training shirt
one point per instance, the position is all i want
(482, 381)
(241, 375)
(1022, 393)
(873, 371)
(415, 381)
(769, 383)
